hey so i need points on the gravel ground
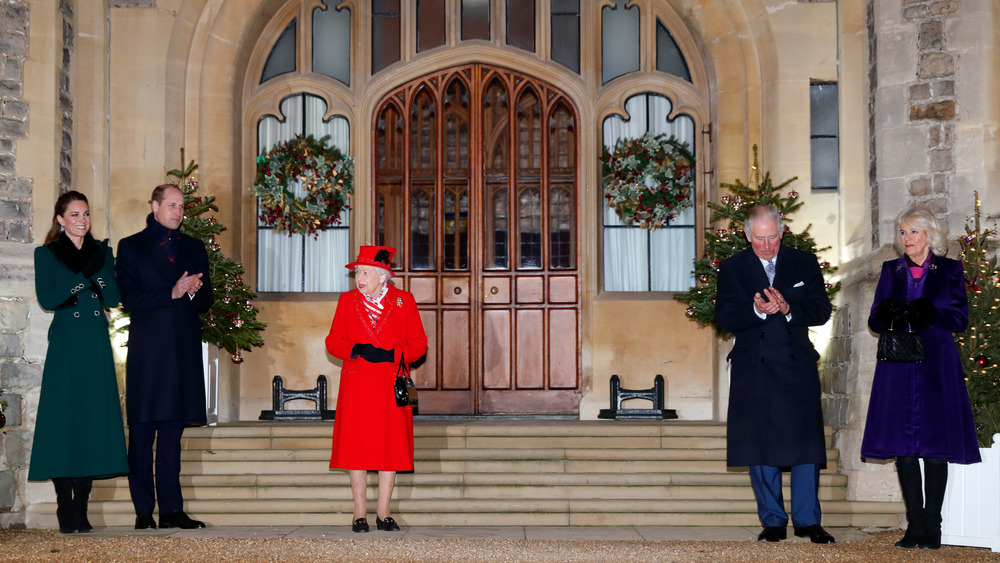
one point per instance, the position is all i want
(36, 545)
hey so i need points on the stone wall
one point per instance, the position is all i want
(17, 375)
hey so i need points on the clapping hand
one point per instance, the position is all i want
(770, 303)
(187, 284)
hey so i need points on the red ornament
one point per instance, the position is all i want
(793, 194)
(237, 358)
(982, 360)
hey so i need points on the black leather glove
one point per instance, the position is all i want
(96, 261)
(371, 354)
(893, 312)
(922, 314)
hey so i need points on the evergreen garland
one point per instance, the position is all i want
(231, 323)
(727, 241)
(979, 346)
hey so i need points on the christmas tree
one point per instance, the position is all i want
(979, 346)
(728, 238)
(231, 323)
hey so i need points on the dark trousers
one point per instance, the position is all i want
(766, 482)
(167, 435)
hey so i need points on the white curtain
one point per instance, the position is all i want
(636, 259)
(303, 262)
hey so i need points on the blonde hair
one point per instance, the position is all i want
(922, 219)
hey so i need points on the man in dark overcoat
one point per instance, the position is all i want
(768, 297)
(165, 285)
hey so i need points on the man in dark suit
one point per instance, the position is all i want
(163, 276)
(768, 297)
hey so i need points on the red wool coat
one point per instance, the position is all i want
(369, 430)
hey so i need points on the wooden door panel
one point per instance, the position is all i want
(455, 349)
(529, 341)
(496, 349)
(496, 291)
(562, 348)
(424, 290)
(455, 290)
(562, 289)
(424, 374)
(530, 289)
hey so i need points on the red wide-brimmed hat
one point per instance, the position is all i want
(378, 256)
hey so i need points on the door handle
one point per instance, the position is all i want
(458, 290)
(494, 290)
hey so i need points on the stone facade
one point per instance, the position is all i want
(916, 125)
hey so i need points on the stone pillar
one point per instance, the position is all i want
(17, 375)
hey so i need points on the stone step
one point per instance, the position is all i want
(499, 486)
(489, 472)
(493, 512)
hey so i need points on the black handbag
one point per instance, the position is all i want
(900, 346)
(405, 390)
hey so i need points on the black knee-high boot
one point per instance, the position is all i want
(65, 513)
(81, 496)
(908, 469)
(935, 482)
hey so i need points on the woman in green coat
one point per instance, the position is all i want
(79, 434)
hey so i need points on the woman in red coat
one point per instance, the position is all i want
(374, 328)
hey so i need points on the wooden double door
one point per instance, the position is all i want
(476, 186)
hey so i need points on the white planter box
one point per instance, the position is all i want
(971, 510)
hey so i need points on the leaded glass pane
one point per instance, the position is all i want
(476, 19)
(331, 49)
(430, 24)
(456, 228)
(421, 228)
(529, 228)
(565, 43)
(386, 28)
(619, 40)
(669, 58)
(521, 24)
(496, 230)
(282, 56)
(561, 227)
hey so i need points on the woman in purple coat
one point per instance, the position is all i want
(921, 410)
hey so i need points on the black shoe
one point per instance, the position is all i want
(360, 526)
(144, 521)
(179, 520)
(773, 533)
(388, 525)
(815, 533)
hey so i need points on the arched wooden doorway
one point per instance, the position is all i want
(475, 172)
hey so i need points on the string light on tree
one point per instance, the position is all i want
(980, 344)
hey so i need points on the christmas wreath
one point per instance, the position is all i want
(325, 178)
(649, 180)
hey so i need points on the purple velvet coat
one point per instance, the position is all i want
(923, 409)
